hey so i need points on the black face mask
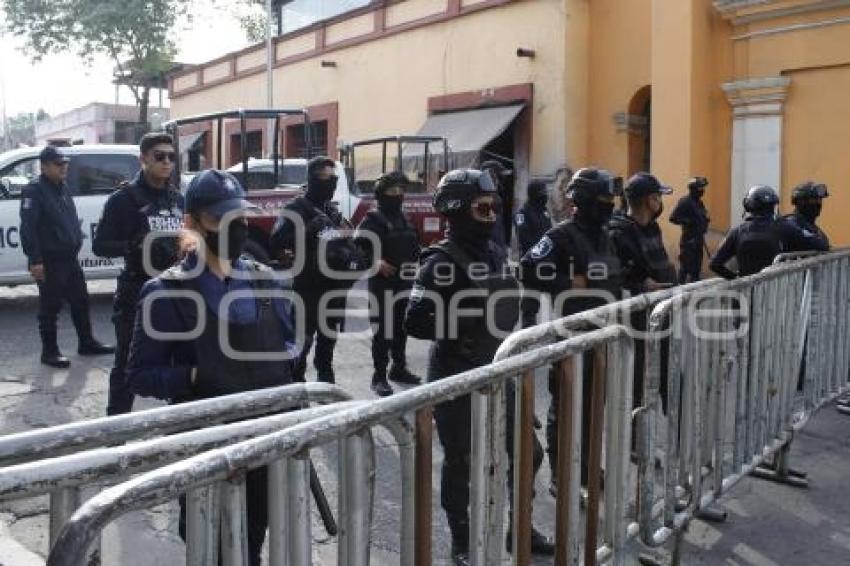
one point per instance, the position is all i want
(810, 210)
(698, 193)
(237, 236)
(390, 204)
(468, 229)
(598, 213)
(540, 199)
(321, 190)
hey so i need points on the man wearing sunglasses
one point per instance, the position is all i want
(807, 199)
(51, 238)
(148, 203)
(452, 303)
(398, 249)
(320, 222)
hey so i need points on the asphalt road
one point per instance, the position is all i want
(769, 524)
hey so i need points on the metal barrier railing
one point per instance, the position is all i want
(283, 453)
(33, 463)
(732, 391)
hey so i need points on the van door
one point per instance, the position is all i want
(92, 178)
(14, 177)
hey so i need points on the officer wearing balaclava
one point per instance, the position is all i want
(574, 256)
(807, 199)
(531, 223)
(690, 213)
(397, 251)
(468, 263)
(320, 221)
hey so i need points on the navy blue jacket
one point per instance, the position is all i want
(162, 369)
(50, 227)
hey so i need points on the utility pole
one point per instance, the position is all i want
(270, 57)
(6, 140)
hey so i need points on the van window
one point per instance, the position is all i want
(98, 174)
(16, 176)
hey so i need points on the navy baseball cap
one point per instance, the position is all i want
(642, 184)
(52, 154)
(215, 192)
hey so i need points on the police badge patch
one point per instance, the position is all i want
(542, 248)
(520, 218)
(27, 204)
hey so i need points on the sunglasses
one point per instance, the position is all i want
(485, 208)
(161, 156)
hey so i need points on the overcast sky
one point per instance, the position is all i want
(62, 82)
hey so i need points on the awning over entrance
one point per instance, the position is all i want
(469, 131)
(190, 141)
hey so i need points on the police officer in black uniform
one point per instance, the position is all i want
(807, 199)
(148, 203)
(182, 370)
(637, 236)
(51, 237)
(398, 252)
(646, 265)
(575, 255)
(757, 241)
(501, 176)
(690, 213)
(321, 221)
(531, 222)
(466, 262)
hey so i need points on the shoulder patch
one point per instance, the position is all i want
(519, 218)
(542, 248)
(26, 204)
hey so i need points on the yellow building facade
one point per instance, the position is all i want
(741, 91)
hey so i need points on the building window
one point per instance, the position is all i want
(296, 144)
(298, 14)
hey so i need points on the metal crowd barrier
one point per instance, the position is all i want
(61, 460)
(289, 533)
(732, 395)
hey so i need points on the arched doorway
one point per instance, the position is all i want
(639, 122)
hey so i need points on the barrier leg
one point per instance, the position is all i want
(569, 462)
(359, 503)
(63, 503)
(594, 460)
(278, 514)
(780, 472)
(298, 508)
(234, 535)
(422, 505)
(523, 470)
(203, 517)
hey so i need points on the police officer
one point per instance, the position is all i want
(807, 199)
(181, 370)
(320, 221)
(148, 203)
(51, 238)
(501, 175)
(646, 266)
(690, 213)
(398, 251)
(756, 241)
(637, 236)
(467, 262)
(531, 222)
(574, 256)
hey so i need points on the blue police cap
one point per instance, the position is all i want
(215, 192)
(52, 154)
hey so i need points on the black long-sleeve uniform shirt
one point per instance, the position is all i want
(50, 227)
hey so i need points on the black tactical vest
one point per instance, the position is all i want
(219, 374)
(759, 242)
(601, 257)
(401, 243)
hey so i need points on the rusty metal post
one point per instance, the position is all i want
(524, 470)
(594, 459)
(567, 517)
(422, 506)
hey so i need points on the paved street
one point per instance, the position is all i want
(768, 525)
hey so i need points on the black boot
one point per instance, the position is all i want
(541, 545)
(460, 542)
(92, 347)
(380, 385)
(50, 354)
(400, 374)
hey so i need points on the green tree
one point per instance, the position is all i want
(136, 35)
(20, 129)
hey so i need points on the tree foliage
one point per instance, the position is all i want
(136, 34)
(20, 129)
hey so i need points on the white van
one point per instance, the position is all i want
(93, 173)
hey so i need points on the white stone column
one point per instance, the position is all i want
(757, 106)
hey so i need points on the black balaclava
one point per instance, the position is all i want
(237, 236)
(697, 192)
(319, 191)
(810, 210)
(390, 205)
(595, 214)
(538, 194)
